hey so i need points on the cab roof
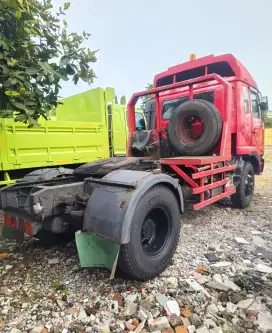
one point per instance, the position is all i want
(225, 65)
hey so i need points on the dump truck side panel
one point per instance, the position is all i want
(119, 129)
(54, 143)
(79, 133)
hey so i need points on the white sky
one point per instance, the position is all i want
(138, 39)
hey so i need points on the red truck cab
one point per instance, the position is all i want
(247, 105)
(205, 113)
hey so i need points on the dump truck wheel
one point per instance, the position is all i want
(194, 127)
(245, 190)
(154, 235)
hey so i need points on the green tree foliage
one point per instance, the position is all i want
(37, 53)
(144, 99)
(116, 99)
(123, 100)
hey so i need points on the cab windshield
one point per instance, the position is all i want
(170, 105)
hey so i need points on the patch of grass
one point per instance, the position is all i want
(251, 208)
(58, 286)
(38, 294)
(25, 299)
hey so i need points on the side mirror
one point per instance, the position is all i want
(264, 103)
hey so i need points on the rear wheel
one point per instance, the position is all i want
(245, 190)
(154, 235)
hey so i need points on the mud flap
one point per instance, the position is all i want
(94, 251)
(13, 233)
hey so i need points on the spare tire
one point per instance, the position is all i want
(194, 127)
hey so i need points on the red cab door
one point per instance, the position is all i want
(244, 121)
(257, 127)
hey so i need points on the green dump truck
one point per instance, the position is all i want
(87, 127)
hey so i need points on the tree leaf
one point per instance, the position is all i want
(21, 117)
(30, 103)
(7, 84)
(38, 92)
(33, 122)
(18, 105)
(64, 61)
(12, 62)
(31, 70)
(12, 93)
(21, 2)
(45, 66)
(40, 77)
(76, 78)
(62, 75)
(22, 90)
(71, 69)
(66, 5)
(4, 44)
(51, 78)
(18, 14)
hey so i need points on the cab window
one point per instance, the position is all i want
(255, 108)
(140, 122)
(246, 99)
(169, 106)
(207, 96)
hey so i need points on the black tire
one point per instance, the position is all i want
(245, 190)
(46, 174)
(95, 167)
(154, 235)
(180, 127)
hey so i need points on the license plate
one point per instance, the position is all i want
(16, 223)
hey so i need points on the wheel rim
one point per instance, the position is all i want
(249, 185)
(190, 128)
(155, 231)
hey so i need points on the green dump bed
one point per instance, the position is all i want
(79, 135)
(53, 143)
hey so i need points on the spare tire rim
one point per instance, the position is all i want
(190, 128)
(155, 231)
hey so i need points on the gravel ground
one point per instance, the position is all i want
(43, 288)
